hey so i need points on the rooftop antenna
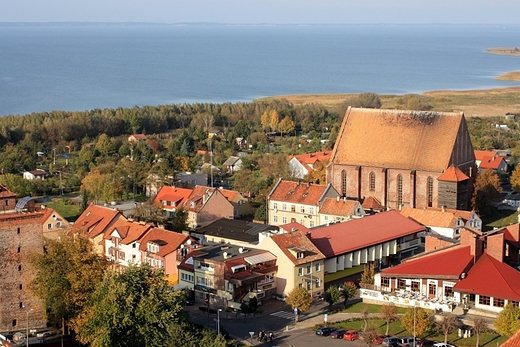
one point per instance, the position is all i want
(211, 162)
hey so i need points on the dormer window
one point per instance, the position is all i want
(300, 255)
(152, 248)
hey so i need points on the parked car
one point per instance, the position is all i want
(406, 341)
(351, 335)
(391, 341)
(338, 334)
(324, 331)
(379, 339)
(425, 343)
(442, 344)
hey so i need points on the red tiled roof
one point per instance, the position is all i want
(372, 203)
(128, 230)
(97, 218)
(298, 193)
(172, 194)
(185, 263)
(6, 193)
(491, 163)
(360, 233)
(513, 341)
(479, 155)
(339, 207)
(139, 136)
(445, 263)
(229, 194)
(311, 158)
(431, 217)
(297, 239)
(416, 140)
(195, 201)
(169, 241)
(505, 279)
(453, 174)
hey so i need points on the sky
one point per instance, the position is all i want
(263, 11)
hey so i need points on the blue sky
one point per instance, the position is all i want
(263, 11)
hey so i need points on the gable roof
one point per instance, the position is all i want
(297, 239)
(128, 230)
(168, 241)
(172, 194)
(513, 341)
(231, 161)
(360, 233)
(6, 193)
(447, 263)
(96, 219)
(416, 140)
(479, 155)
(505, 279)
(431, 217)
(235, 229)
(491, 163)
(197, 198)
(311, 158)
(372, 203)
(229, 194)
(298, 193)
(453, 174)
(339, 207)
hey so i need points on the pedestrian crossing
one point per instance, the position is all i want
(286, 315)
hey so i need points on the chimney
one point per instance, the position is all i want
(337, 199)
(344, 199)
(495, 246)
(443, 208)
(468, 238)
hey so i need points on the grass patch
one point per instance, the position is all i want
(65, 207)
(499, 218)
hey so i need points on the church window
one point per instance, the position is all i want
(344, 183)
(372, 181)
(399, 190)
(429, 192)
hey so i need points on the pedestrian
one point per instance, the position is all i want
(271, 336)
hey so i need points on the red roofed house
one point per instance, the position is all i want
(241, 205)
(300, 262)
(442, 221)
(380, 239)
(397, 157)
(205, 205)
(490, 160)
(122, 240)
(290, 202)
(137, 137)
(164, 249)
(171, 198)
(37, 174)
(335, 210)
(458, 275)
(303, 164)
(23, 228)
(226, 275)
(96, 220)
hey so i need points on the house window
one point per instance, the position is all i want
(121, 255)
(498, 302)
(275, 219)
(432, 289)
(318, 283)
(448, 291)
(309, 269)
(514, 303)
(49, 226)
(429, 192)
(236, 212)
(385, 282)
(300, 285)
(275, 206)
(326, 218)
(399, 190)
(372, 181)
(415, 286)
(484, 300)
(300, 271)
(318, 267)
(284, 220)
(343, 182)
(17, 230)
(293, 208)
(311, 224)
(58, 224)
(302, 222)
(19, 267)
(311, 210)
(302, 209)
(401, 284)
(299, 255)
(309, 285)
(284, 207)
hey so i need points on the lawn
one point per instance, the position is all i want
(65, 207)
(499, 218)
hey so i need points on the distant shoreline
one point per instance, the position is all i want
(514, 51)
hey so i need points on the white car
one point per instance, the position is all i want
(442, 344)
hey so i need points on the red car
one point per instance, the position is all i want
(351, 335)
(378, 339)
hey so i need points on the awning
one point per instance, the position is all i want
(260, 258)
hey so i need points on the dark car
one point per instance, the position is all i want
(425, 343)
(407, 341)
(391, 341)
(325, 331)
(338, 334)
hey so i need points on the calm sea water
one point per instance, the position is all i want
(79, 67)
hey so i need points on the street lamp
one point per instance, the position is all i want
(218, 321)
(27, 333)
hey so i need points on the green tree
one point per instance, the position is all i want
(367, 277)
(348, 291)
(508, 320)
(486, 191)
(286, 125)
(389, 313)
(446, 324)
(332, 295)
(66, 275)
(17, 184)
(417, 319)
(300, 299)
(179, 221)
(368, 100)
(135, 307)
(104, 145)
(515, 179)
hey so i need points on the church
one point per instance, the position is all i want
(404, 158)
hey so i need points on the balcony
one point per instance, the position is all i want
(410, 244)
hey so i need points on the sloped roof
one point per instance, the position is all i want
(416, 140)
(444, 263)
(311, 158)
(172, 194)
(169, 241)
(339, 207)
(195, 201)
(491, 163)
(513, 341)
(96, 218)
(297, 238)
(505, 279)
(353, 235)
(187, 262)
(235, 229)
(453, 174)
(128, 230)
(231, 161)
(6, 193)
(479, 155)
(298, 193)
(431, 217)
(372, 203)
(229, 194)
